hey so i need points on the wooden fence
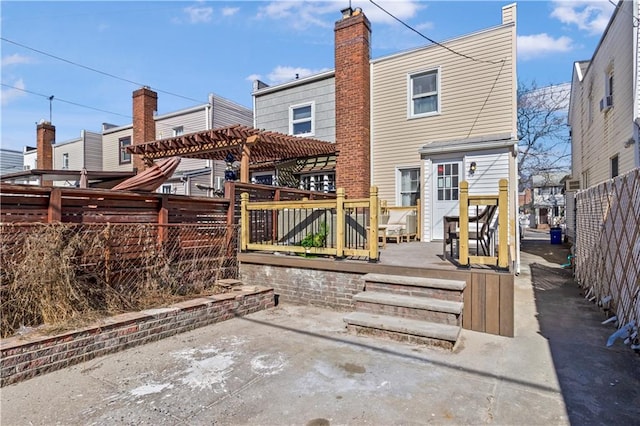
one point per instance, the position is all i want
(607, 245)
(337, 227)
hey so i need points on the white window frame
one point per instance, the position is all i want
(124, 157)
(312, 119)
(178, 131)
(399, 191)
(256, 175)
(319, 182)
(166, 189)
(411, 97)
(65, 161)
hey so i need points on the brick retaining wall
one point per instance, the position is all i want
(323, 288)
(23, 357)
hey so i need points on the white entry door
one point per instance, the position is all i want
(446, 185)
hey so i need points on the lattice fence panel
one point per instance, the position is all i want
(607, 248)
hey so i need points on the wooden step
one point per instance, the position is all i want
(403, 329)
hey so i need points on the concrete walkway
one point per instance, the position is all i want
(297, 365)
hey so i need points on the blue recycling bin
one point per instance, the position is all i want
(556, 235)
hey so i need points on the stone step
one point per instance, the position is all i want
(403, 329)
(439, 283)
(415, 286)
(426, 303)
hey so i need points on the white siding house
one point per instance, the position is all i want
(604, 109)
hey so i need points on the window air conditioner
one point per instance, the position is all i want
(606, 103)
(573, 185)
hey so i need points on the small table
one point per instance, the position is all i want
(382, 232)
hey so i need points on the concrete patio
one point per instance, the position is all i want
(298, 365)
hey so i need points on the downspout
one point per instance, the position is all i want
(516, 215)
(209, 109)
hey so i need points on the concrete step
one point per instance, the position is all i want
(403, 329)
(415, 286)
(415, 307)
(426, 303)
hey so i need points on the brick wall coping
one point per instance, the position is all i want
(26, 356)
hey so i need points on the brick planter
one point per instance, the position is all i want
(23, 357)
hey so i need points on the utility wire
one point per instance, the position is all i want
(635, 18)
(62, 100)
(96, 70)
(433, 41)
(486, 99)
(51, 98)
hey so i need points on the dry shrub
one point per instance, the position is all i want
(57, 274)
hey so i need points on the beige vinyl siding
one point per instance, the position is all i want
(111, 149)
(465, 85)
(490, 168)
(596, 142)
(75, 150)
(193, 121)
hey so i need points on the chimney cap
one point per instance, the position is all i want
(346, 12)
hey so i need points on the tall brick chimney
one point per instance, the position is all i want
(145, 104)
(352, 55)
(46, 137)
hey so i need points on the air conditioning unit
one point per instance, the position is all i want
(606, 103)
(573, 185)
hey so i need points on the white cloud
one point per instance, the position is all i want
(536, 45)
(12, 93)
(591, 16)
(230, 11)
(15, 59)
(198, 14)
(254, 77)
(280, 74)
(303, 14)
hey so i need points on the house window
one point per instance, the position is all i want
(125, 157)
(178, 131)
(263, 179)
(319, 182)
(167, 189)
(423, 93)
(65, 160)
(448, 180)
(614, 166)
(409, 187)
(301, 119)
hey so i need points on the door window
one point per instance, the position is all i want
(448, 181)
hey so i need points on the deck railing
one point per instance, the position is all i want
(500, 200)
(338, 227)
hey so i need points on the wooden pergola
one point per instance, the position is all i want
(251, 145)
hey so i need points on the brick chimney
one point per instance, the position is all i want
(46, 137)
(145, 104)
(352, 83)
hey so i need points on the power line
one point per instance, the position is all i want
(486, 99)
(97, 70)
(51, 98)
(433, 41)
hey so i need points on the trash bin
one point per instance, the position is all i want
(556, 235)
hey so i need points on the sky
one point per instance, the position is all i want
(90, 55)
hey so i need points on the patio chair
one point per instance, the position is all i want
(399, 224)
(481, 227)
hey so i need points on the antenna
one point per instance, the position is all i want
(50, 108)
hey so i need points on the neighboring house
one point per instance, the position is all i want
(415, 124)
(548, 199)
(84, 152)
(604, 108)
(304, 107)
(218, 112)
(10, 161)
